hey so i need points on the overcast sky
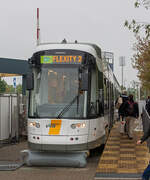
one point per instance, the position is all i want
(94, 21)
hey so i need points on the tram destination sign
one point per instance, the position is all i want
(61, 59)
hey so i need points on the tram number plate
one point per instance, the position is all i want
(55, 127)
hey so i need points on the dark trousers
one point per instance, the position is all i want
(146, 173)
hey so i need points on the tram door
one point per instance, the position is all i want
(111, 105)
(108, 103)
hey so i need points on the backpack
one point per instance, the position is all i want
(130, 109)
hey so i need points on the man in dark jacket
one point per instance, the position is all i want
(130, 110)
(146, 173)
(147, 106)
(124, 99)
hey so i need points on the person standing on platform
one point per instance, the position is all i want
(146, 173)
(148, 98)
(147, 106)
(130, 110)
(124, 99)
(118, 103)
(122, 127)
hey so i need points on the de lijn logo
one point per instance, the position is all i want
(46, 59)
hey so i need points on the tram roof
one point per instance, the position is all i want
(86, 47)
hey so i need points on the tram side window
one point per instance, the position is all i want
(106, 94)
(100, 100)
(93, 99)
(112, 92)
(113, 95)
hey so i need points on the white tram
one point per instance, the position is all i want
(71, 97)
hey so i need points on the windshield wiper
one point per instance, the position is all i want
(67, 107)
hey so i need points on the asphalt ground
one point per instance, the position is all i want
(12, 153)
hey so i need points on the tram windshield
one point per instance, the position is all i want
(54, 89)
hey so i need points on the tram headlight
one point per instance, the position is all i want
(78, 125)
(34, 124)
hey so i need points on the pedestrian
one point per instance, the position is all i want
(147, 106)
(122, 127)
(124, 99)
(148, 98)
(146, 173)
(130, 110)
(118, 103)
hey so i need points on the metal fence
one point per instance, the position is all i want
(146, 123)
(12, 117)
(8, 116)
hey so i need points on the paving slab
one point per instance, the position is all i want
(122, 158)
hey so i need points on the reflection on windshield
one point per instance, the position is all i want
(54, 89)
(61, 86)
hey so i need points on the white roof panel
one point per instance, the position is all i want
(89, 48)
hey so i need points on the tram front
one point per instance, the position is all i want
(58, 100)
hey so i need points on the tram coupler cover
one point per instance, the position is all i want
(59, 159)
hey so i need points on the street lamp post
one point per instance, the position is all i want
(138, 91)
(137, 87)
(122, 64)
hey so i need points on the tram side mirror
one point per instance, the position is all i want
(84, 81)
(30, 81)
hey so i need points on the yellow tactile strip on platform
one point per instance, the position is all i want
(122, 155)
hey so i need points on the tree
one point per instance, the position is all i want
(145, 3)
(11, 89)
(141, 60)
(5, 88)
(3, 85)
(137, 27)
(19, 89)
(131, 90)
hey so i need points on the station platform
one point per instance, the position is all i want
(122, 158)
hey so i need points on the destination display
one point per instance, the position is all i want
(61, 59)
